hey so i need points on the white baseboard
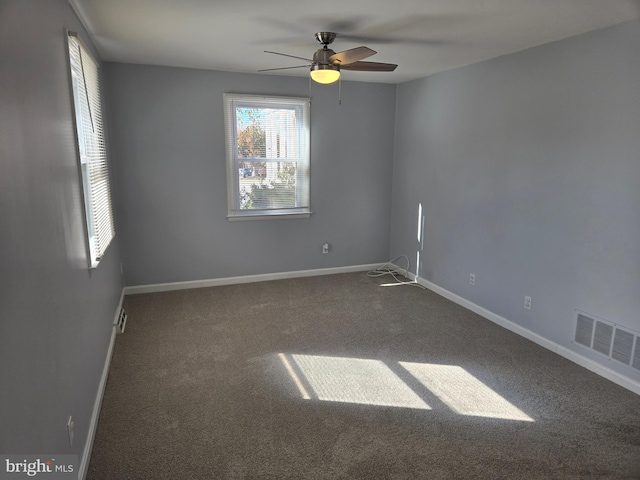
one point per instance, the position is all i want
(93, 425)
(215, 282)
(587, 363)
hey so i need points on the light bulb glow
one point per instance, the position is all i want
(324, 75)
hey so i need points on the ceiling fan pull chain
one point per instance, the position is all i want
(340, 90)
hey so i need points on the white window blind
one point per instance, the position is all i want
(85, 79)
(267, 140)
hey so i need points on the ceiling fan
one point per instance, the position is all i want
(326, 64)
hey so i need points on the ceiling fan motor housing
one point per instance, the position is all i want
(321, 57)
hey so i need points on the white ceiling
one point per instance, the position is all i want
(422, 36)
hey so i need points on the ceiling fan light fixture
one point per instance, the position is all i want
(325, 74)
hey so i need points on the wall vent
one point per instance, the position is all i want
(584, 330)
(602, 338)
(616, 342)
(622, 346)
(122, 321)
(636, 355)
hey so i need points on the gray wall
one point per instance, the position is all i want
(55, 319)
(168, 142)
(528, 170)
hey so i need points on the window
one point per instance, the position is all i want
(267, 156)
(92, 155)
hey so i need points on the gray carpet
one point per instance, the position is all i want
(337, 377)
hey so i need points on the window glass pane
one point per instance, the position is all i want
(267, 185)
(266, 133)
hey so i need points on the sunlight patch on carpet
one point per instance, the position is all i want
(294, 376)
(373, 382)
(464, 393)
(350, 380)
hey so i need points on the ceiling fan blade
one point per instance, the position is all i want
(352, 55)
(370, 67)
(282, 68)
(292, 56)
(387, 40)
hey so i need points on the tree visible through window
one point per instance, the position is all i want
(267, 155)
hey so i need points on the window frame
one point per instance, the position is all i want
(302, 208)
(93, 166)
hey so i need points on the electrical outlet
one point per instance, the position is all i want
(472, 278)
(70, 430)
(527, 303)
(325, 248)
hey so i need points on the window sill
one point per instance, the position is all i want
(268, 216)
